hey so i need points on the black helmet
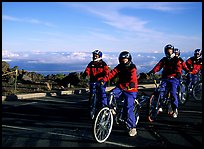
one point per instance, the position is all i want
(198, 53)
(168, 46)
(97, 52)
(125, 54)
(176, 50)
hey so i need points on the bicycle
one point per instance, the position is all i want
(114, 112)
(156, 101)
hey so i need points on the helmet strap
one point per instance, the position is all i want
(98, 59)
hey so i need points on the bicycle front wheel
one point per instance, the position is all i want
(197, 91)
(182, 93)
(103, 125)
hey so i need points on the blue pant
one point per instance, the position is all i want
(101, 92)
(129, 99)
(173, 83)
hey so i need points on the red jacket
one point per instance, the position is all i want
(127, 77)
(195, 65)
(96, 70)
(171, 67)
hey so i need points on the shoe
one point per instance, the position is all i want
(160, 110)
(175, 114)
(132, 132)
(113, 112)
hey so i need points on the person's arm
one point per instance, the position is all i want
(157, 67)
(87, 71)
(110, 75)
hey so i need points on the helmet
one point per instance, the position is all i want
(97, 52)
(176, 50)
(125, 54)
(168, 46)
(198, 53)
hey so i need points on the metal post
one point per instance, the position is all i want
(16, 80)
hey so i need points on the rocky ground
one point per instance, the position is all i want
(15, 81)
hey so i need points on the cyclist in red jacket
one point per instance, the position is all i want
(194, 63)
(181, 65)
(127, 86)
(97, 69)
(170, 74)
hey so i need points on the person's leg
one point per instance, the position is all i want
(92, 89)
(174, 84)
(129, 107)
(162, 92)
(103, 95)
(173, 91)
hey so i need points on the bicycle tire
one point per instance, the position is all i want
(136, 112)
(153, 108)
(197, 91)
(103, 125)
(182, 93)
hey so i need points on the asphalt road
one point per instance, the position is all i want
(64, 122)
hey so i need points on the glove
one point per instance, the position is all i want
(150, 73)
(131, 85)
(101, 82)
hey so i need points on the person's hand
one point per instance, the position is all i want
(178, 75)
(84, 76)
(101, 82)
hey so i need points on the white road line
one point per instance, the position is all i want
(67, 135)
(186, 111)
(27, 103)
(57, 101)
(119, 144)
(15, 127)
(21, 105)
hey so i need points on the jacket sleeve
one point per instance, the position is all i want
(189, 64)
(111, 74)
(158, 66)
(87, 70)
(106, 69)
(133, 80)
(184, 66)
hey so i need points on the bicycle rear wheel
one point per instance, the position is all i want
(103, 125)
(153, 108)
(197, 91)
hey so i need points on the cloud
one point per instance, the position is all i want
(27, 20)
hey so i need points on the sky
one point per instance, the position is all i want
(33, 27)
